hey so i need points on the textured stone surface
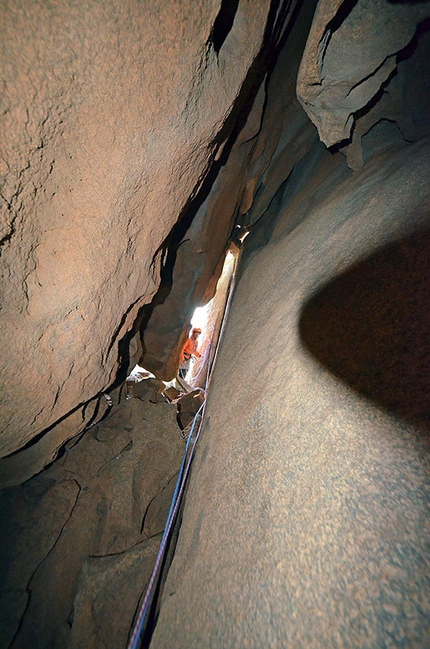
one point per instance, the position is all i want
(109, 494)
(42, 508)
(266, 156)
(148, 390)
(21, 466)
(306, 521)
(199, 261)
(155, 516)
(111, 118)
(104, 581)
(232, 186)
(401, 112)
(351, 52)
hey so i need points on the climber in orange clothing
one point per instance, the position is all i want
(188, 350)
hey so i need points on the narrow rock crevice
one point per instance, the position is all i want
(191, 126)
(223, 23)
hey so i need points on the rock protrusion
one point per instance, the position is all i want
(90, 523)
(351, 53)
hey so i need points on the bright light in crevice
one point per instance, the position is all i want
(139, 373)
(200, 316)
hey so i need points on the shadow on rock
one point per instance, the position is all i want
(371, 328)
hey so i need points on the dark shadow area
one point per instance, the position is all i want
(340, 16)
(223, 23)
(371, 328)
(411, 47)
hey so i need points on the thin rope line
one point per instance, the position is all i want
(180, 483)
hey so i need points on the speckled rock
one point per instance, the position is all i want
(86, 527)
(104, 581)
(306, 522)
(307, 516)
(352, 51)
(99, 163)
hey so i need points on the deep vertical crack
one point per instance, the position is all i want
(43, 561)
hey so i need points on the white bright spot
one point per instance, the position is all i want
(138, 373)
(200, 316)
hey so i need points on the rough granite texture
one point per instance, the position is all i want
(112, 115)
(273, 138)
(351, 53)
(306, 523)
(79, 541)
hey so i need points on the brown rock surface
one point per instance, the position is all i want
(137, 137)
(104, 581)
(21, 466)
(108, 495)
(226, 195)
(188, 406)
(111, 119)
(306, 520)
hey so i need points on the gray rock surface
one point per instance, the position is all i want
(306, 519)
(106, 585)
(79, 540)
(350, 54)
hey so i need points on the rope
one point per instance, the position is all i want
(180, 483)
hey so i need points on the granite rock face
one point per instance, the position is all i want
(140, 140)
(88, 529)
(307, 517)
(352, 51)
(226, 195)
(112, 116)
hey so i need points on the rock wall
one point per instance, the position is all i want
(196, 255)
(353, 52)
(112, 116)
(79, 541)
(307, 519)
(138, 139)
(347, 92)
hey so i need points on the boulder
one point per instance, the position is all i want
(188, 406)
(351, 54)
(304, 521)
(100, 164)
(148, 390)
